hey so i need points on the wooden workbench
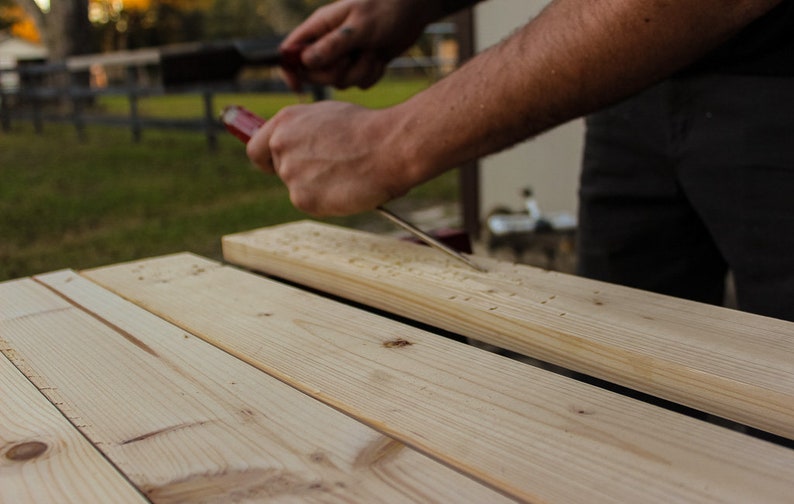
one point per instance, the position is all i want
(181, 379)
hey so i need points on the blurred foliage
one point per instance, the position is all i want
(12, 17)
(131, 24)
(144, 23)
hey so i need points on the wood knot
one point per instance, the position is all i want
(26, 451)
(319, 457)
(397, 343)
(581, 411)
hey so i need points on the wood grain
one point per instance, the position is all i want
(187, 422)
(43, 457)
(536, 436)
(727, 363)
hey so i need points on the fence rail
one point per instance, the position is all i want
(29, 90)
(56, 93)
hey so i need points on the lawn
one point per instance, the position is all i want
(70, 204)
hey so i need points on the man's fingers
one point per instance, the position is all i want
(329, 50)
(331, 75)
(323, 21)
(293, 80)
(258, 149)
(363, 72)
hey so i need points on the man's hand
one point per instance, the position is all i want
(350, 42)
(575, 57)
(335, 158)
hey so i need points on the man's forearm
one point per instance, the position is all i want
(575, 57)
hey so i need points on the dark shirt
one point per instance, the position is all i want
(765, 47)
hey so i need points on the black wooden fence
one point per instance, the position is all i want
(39, 93)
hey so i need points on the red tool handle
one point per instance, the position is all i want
(241, 122)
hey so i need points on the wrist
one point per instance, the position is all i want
(420, 145)
(398, 166)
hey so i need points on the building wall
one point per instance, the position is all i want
(13, 50)
(549, 163)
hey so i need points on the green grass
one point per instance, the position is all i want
(387, 93)
(67, 204)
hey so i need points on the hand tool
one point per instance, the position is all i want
(199, 62)
(216, 61)
(243, 124)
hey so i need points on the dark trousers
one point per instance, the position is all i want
(690, 179)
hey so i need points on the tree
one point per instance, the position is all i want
(144, 23)
(64, 28)
(9, 14)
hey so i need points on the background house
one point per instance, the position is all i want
(14, 50)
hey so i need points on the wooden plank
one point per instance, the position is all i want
(43, 457)
(727, 363)
(537, 436)
(187, 422)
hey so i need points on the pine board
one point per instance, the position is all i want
(187, 422)
(43, 457)
(727, 363)
(536, 436)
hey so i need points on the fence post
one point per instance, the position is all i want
(73, 82)
(5, 113)
(209, 121)
(135, 119)
(38, 120)
(34, 82)
(319, 93)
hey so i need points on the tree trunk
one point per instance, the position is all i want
(68, 29)
(65, 31)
